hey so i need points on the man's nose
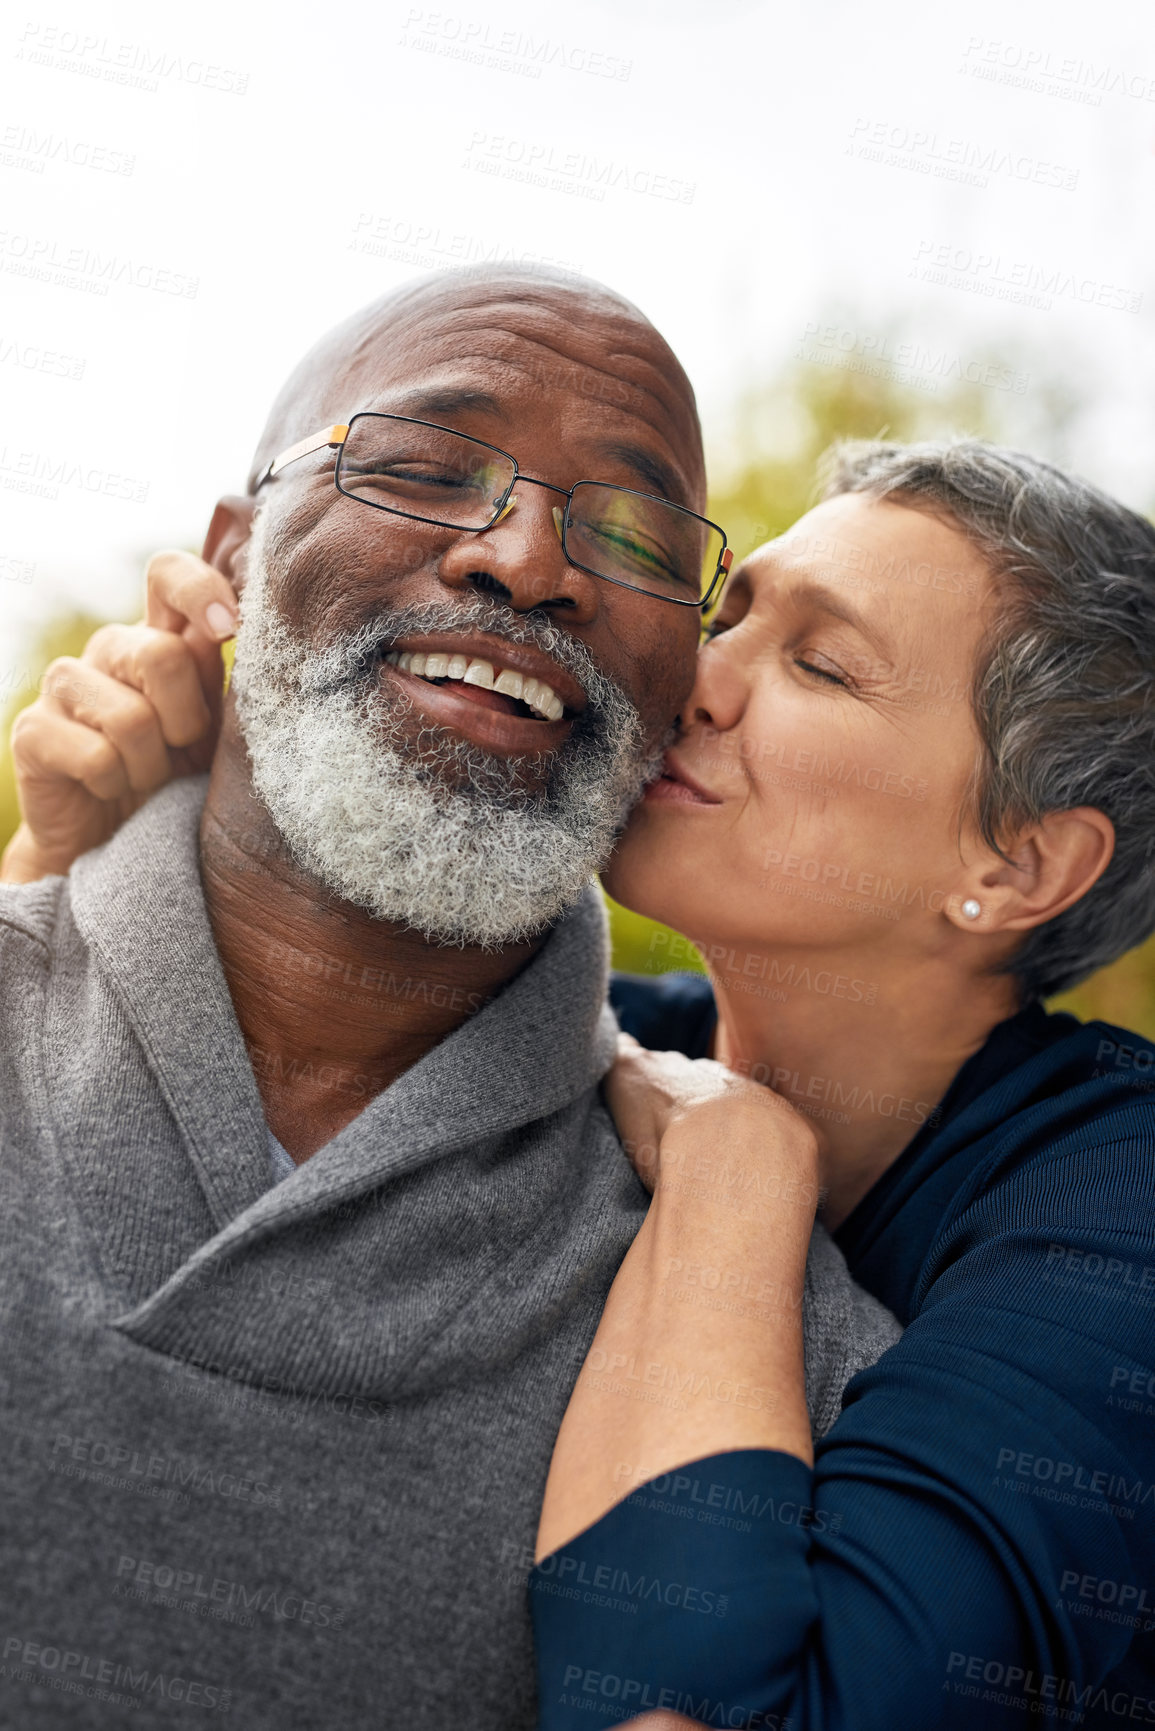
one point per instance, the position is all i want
(520, 560)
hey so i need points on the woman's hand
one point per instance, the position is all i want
(141, 705)
(665, 1104)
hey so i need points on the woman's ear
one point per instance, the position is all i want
(228, 533)
(1052, 865)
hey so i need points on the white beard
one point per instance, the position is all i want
(443, 836)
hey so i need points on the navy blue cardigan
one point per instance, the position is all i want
(975, 1546)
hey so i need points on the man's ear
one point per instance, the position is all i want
(1052, 865)
(228, 534)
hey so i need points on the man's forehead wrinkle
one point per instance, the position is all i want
(599, 344)
(388, 359)
(613, 330)
(519, 348)
(625, 382)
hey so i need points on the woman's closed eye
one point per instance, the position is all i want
(811, 662)
(828, 671)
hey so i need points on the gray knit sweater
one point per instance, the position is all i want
(278, 1451)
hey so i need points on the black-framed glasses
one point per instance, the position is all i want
(433, 474)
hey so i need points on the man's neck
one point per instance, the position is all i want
(865, 1050)
(332, 1003)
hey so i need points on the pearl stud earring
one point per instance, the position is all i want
(971, 909)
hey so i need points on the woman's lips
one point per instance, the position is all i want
(676, 784)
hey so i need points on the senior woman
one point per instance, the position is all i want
(912, 794)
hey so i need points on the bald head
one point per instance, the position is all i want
(562, 334)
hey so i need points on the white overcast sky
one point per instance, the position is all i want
(188, 197)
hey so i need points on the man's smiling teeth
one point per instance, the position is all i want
(472, 670)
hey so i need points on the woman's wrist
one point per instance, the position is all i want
(743, 1155)
(730, 1225)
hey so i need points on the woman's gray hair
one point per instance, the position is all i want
(1064, 688)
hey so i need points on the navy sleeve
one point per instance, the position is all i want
(643, 1610)
(976, 1544)
(665, 1012)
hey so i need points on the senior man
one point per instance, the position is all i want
(310, 1206)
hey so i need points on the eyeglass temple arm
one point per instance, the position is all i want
(723, 566)
(334, 435)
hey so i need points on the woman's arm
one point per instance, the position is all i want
(940, 1563)
(140, 705)
(699, 1349)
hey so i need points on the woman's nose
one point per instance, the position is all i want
(720, 691)
(520, 560)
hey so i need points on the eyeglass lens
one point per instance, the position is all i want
(445, 477)
(423, 471)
